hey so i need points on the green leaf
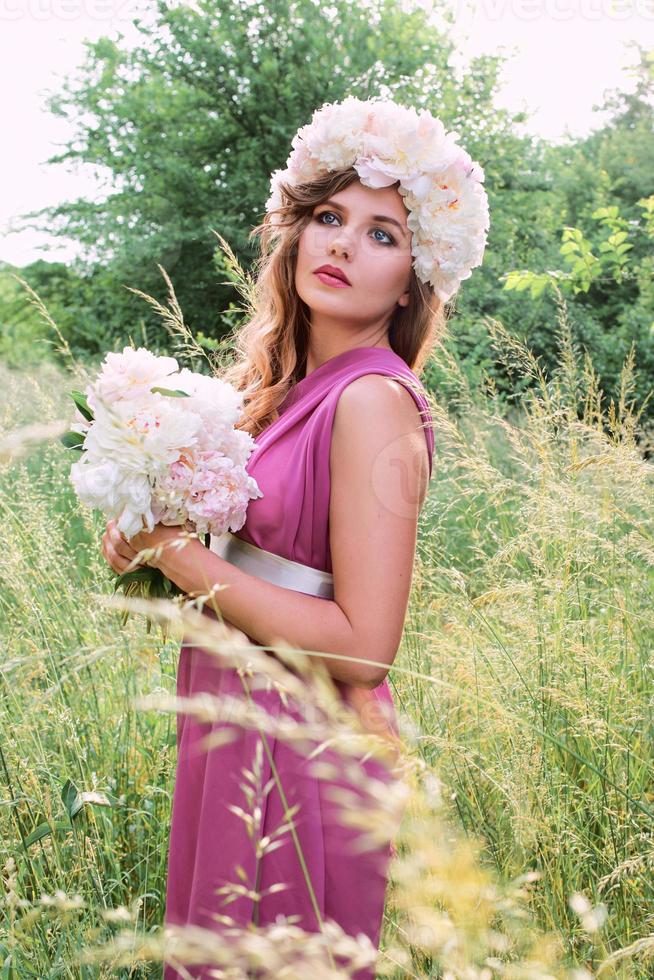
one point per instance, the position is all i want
(70, 796)
(519, 279)
(72, 440)
(537, 287)
(172, 393)
(46, 830)
(7, 969)
(608, 212)
(43, 830)
(80, 400)
(136, 575)
(74, 801)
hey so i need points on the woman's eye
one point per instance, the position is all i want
(391, 240)
(323, 213)
(388, 235)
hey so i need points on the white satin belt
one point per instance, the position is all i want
(271, 567)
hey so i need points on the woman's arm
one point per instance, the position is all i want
(379, 466)
(379, 473)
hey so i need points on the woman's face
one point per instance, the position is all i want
(355, 232)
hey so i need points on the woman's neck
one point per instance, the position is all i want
(319, 354)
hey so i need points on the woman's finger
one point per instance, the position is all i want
(117, 551)
(110, 556)
(121, 545)
(118, 561)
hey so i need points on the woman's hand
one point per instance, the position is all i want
(120, 552)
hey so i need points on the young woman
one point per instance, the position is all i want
(372, 226)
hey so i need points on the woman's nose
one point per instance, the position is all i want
(340, 246)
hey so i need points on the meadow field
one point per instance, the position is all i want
(523, 685)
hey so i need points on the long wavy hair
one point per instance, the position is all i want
(270, 348)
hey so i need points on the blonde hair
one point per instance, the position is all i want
(270, 349)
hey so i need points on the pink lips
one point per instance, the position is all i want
(332, 276)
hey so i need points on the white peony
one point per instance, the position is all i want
(145, 435)
(215, 402)
(119, 495)
(129, 375)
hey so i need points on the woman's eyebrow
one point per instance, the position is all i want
(373, 217)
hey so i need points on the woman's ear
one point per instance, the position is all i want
(404, 299)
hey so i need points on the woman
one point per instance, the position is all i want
(370, 229)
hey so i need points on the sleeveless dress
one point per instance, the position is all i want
(324, 876)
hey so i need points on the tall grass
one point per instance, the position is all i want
(68, 676)
(534, 601)
(524, 684)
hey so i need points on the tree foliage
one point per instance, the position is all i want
(600, 253)
(190, 124)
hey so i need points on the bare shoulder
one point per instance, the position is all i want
(377, 417)
(378, 391)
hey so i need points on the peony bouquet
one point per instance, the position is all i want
(158, 445)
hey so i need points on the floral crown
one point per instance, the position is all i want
(440, 184)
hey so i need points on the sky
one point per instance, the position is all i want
(564, 56)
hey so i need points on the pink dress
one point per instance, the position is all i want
(324, 877)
